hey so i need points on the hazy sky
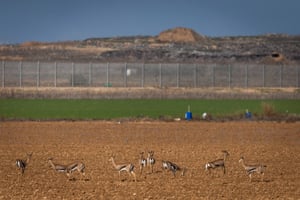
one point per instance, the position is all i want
(58, 20)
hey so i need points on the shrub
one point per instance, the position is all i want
(268, 110)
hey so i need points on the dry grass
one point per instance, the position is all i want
(150, 92)
(268, 110)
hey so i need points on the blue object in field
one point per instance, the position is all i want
(188, 115)
(248, 115)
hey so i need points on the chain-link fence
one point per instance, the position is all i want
(46, 74)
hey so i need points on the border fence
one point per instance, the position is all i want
(65, 74)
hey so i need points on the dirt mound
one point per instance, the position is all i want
(180, 35)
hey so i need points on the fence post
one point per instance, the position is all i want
(298, 73)
(281, 76)
(90, 74)
(20, 73)
(38, 74)
(143, 74)
(246, 76)
(55, 74)
(3, 73)
(195, 75)
(263, 75)
(229, 76)
(72, 74)
(213, 75)
(125, 75)
(107, 74)
(160, 82)
(177, 75)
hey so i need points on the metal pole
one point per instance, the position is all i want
(143, 75)
(20, 74)
(195, 75)
(280, 76)
(55, 74)
(177, 75)
(38, 74)
(160, 82)
(72, 74)
(107, 74)
(90, 74)
(125, 75)
(229, 76)
(298, 76)
(3, 73)
(263, 75)
(246, 76)
(213, 75)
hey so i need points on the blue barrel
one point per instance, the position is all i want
(188, 115)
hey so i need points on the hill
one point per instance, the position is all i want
(180, 35)
(174, 45)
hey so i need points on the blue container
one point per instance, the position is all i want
(188, 115)
(248, 115)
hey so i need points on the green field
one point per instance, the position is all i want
(37, 109)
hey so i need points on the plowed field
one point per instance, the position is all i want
(188, 144)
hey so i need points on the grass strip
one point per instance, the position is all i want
(89, 109)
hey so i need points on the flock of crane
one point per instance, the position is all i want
(149, 161)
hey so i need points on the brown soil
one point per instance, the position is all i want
(180, 34)
(188, 144)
